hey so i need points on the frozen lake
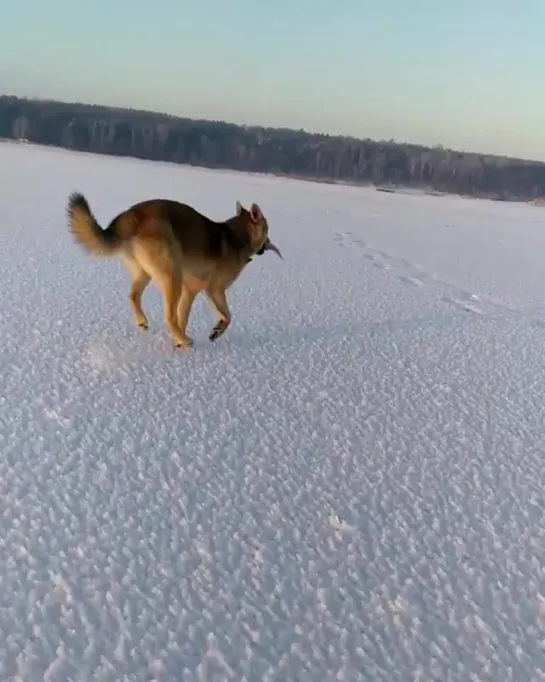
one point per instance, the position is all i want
(348, 485)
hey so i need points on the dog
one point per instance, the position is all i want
(182, 251)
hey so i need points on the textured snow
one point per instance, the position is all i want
(349, 485)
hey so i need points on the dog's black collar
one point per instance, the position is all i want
(258, 253)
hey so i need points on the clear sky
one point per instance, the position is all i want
(468, 74)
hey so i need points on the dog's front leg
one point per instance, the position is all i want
(218, 299)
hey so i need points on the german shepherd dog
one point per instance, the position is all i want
(181, 250)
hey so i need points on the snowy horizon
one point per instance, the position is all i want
(348, 485)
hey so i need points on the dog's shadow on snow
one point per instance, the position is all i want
(278, 337)
(106, 352)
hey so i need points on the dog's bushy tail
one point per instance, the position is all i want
(86, 230)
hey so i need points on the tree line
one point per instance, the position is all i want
(296, 153)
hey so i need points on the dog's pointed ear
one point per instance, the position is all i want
(240, 208)
(255, 213)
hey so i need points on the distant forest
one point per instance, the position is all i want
(295, 153)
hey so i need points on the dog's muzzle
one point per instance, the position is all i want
(269, 246)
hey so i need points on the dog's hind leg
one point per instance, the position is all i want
(218, 299)
(140, 280)
(184, 306)
(164, 268)
(172, 293)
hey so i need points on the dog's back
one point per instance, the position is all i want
(198, 236)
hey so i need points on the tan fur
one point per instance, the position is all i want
(182, 251)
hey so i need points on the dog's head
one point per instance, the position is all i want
(258, 229)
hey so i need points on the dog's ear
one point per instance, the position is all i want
(240, 208)
(255, 213)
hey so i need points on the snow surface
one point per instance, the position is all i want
(349, 485)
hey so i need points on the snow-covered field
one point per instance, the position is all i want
(349, 485)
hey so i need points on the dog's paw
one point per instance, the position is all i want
(184, 344)
(218, 330)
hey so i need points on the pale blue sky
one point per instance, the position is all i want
(467, 74)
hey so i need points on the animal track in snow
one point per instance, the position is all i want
(415, 276)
